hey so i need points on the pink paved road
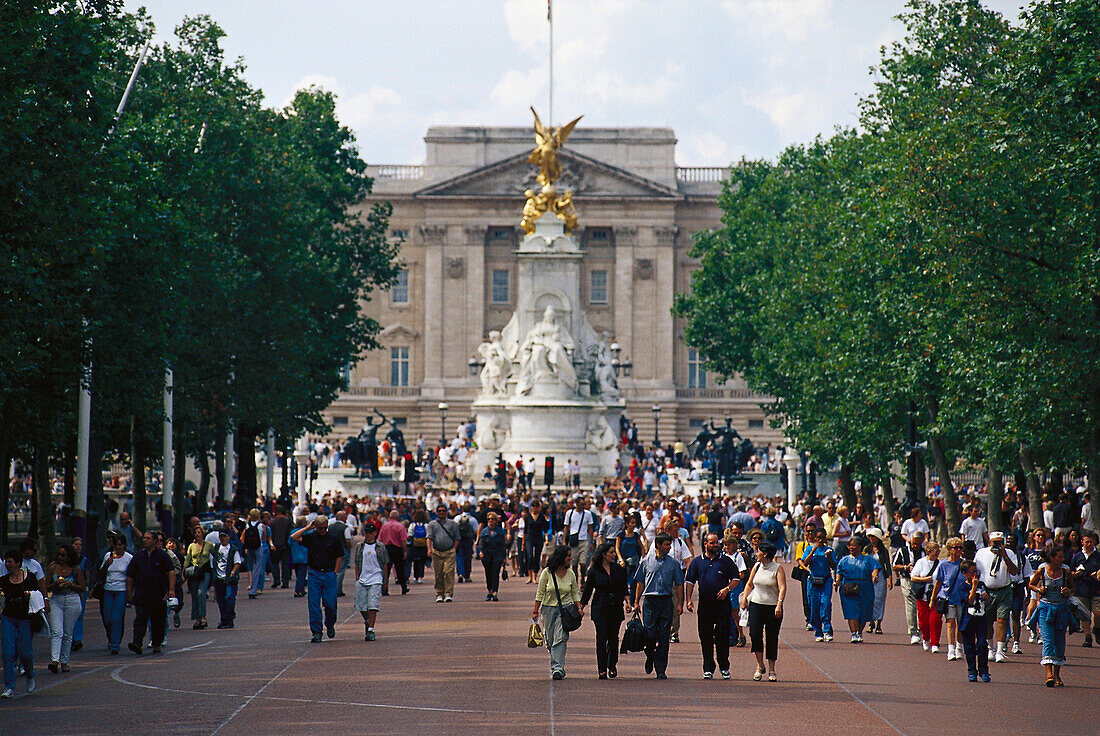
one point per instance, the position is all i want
(464, 667)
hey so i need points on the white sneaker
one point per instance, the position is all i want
(828, 637)
(30, 685)
(819, 638)
(924, 643)
(8, 693)
(935, 649)
(439, 599)
(1031, 637)
(1015, 647)
(1000, 656)
(448, 599)
(914, 640)
(992, 652)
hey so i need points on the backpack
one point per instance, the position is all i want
(465, 528)
(252, 537)
(420, 534)
(773, 530)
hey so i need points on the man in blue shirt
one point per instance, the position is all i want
(714, 573)
(662, 589)
(744, 517)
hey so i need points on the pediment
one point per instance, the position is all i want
(587, 177)
(398, 330)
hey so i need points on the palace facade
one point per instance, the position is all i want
(458, 218)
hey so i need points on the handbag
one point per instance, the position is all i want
(191, 572)
(800, 574)
(920, 591)
(743, 618)
(941, 603)
(570, 615)
(635, 637)
(534, 636)
(850, 588)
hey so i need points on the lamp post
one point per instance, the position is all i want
(656, 409)
(442, 423)
(617, 364)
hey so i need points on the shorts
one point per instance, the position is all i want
(367, 597)
(580, 553)
(1000, 602)
(953, 613)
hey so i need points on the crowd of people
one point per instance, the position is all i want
(618, 553)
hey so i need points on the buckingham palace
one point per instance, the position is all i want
(458, 219)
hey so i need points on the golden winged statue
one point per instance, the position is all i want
(545, 156)
(547, 143)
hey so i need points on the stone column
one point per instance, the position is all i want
(664, 343)
(434, 317)
(790, 460)
(475, 294)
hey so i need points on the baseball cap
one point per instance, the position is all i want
(370, 526)
(996, 536)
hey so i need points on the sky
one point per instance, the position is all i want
(733, 78)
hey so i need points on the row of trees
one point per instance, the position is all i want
(940, 265)
(200, 232)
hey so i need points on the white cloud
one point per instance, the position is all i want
(789, 20)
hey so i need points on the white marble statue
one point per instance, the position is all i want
(493, 435)
(603, 371)
(545, 355)
(497, 368)
(599, 435)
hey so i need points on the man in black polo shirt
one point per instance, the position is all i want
(714, 573)
(149, 579)
(326, 552)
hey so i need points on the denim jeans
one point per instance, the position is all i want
(322, 590)
(113, 608)
(78, 630)
(300, 570)
(975, 646)
(199, 587)
(1053, 620)
(64, 612)
(16, 647)
(226, 596)
(821, 608)
(257, 563)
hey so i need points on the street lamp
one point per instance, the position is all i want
(442, 423)
(656, 409)
(618, 365)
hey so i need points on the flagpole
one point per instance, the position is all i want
(550, 19)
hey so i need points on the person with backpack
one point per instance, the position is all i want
(256, 540)
(774, 532)
(467, 529)
(921, 579)
(418, 544)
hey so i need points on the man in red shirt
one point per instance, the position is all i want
(393, 534)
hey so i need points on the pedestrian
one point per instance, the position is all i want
(764, 593)
(299, 558)
(443, 536)
(280, 548)
(856, 575)
(196, 570)
(630, 547)
(557, 587)
(948, 592)
(468, 528)
(339, 528)
(885, 582)
(226, 562)
(605, 587)
(715, 574)
(1086, 573)
(15, 621)
(492, 543)
(819, 561)
(84, 563)
(661, 588)
(149, 580)
(393, 534)
(256, 540)
(732, 550)
(115, 584)
(580, 530)
(972, 625)
(996, 565)
(536, 524)
(922, 578)
(371, 561)
(906, 556)
(418, 544)
(66, 583)
(1052, 583)
(324, 554)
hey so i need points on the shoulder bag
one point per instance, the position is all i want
(570, 615)
(941, 603)
(920, 591)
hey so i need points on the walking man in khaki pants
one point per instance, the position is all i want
(443, 536)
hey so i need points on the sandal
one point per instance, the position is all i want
(758, 675)
(1059, 683)
(772, 677)
(1050, 682)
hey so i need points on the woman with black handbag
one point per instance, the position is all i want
(948, 593)
(196, 568)
(558, 596)
(605, 586)
(928, 618)
(856, 576)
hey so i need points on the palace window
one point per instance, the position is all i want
(400, 290)
(339, 421)
(501, 286)
(597, 287)
(399, 366)
(697, 374)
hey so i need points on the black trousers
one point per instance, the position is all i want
(764, 630)
(608, 620)
(805, 599)
(152, 614)
(532, 550)
(714, 633)
(492, 565)
(397, 562)
(280, 567)
(657, 612)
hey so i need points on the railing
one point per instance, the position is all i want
(693, 174)
(397, 171)
(719, 393)
(384, 391)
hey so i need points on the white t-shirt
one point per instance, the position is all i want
(910, 527)
(986, 561)
(649, 528)
(577, 522)
(922, 568)
(34, 567)
(974, 530)
(214, 537)
(116, 572)
(371, 574)
(679, 552)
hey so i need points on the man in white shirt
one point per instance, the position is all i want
(974, 528)
(996, 566)
(371, 559)
(580, 529)
(915, 523)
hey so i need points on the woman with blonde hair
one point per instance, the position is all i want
(948, 594)
(196, 568)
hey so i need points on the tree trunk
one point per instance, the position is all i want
(847, 487)
(867, 496)
(219, 474)
(5, 468)
(47, 545)
(952, 513)
(179, 513)
(96, 524)
(1034, 492)
(137, 468)
(202, 495)
(246, 467)
(995, 488)
(70, 473)
(922, 479)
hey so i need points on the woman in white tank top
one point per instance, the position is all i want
(763, 596)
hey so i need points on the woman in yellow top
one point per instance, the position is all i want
(809, 534)
(196, 568)
(560, 565)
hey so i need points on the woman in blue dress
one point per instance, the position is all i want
(856, 576)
